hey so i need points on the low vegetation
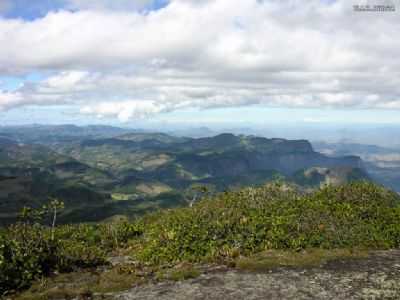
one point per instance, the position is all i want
(242, 228)
(313, 257)
(273, 217)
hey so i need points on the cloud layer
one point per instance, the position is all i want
(127, 63)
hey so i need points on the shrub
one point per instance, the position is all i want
(30, 250)
(274, 217)
(220, 228)
(26, 252)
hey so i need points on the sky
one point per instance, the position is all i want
(144, 62)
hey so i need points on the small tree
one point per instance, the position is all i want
(52, 209)
(30, 215)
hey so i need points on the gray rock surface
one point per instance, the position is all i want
(375, 277)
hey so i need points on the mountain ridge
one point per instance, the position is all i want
(137, 171)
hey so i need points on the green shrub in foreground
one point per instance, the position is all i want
(220, 228)
(25, 253)
(28, 252)
(355, 215)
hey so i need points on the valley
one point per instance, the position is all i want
(102, 172)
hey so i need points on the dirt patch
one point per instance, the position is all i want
(153, 189)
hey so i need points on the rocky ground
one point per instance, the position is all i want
(373, 277)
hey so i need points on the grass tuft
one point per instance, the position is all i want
(271, 259)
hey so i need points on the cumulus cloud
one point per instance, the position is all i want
(125, 110)
(204, 54)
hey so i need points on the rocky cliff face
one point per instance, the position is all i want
(247, 154)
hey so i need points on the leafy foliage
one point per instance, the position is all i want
(29, 251)
(274, 217)
(219, 228)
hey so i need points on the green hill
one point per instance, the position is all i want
(228, 228)
(99, 174)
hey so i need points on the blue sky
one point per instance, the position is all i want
(12, 83)
(152, 62)
(34, 9)
(218, 118)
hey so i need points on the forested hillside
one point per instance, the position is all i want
(107, 172)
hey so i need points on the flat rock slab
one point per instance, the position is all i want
(375, 277)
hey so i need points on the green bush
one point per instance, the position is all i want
(72, 254)
(29, 251)
(26, 252)
(274, 217)
(356, 215)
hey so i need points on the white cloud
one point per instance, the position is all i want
(9, 100)
(205, 54)
(64, 81)
(125, 110)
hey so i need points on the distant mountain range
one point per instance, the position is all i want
(58, 133)
(382, 163)
(101, 171)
